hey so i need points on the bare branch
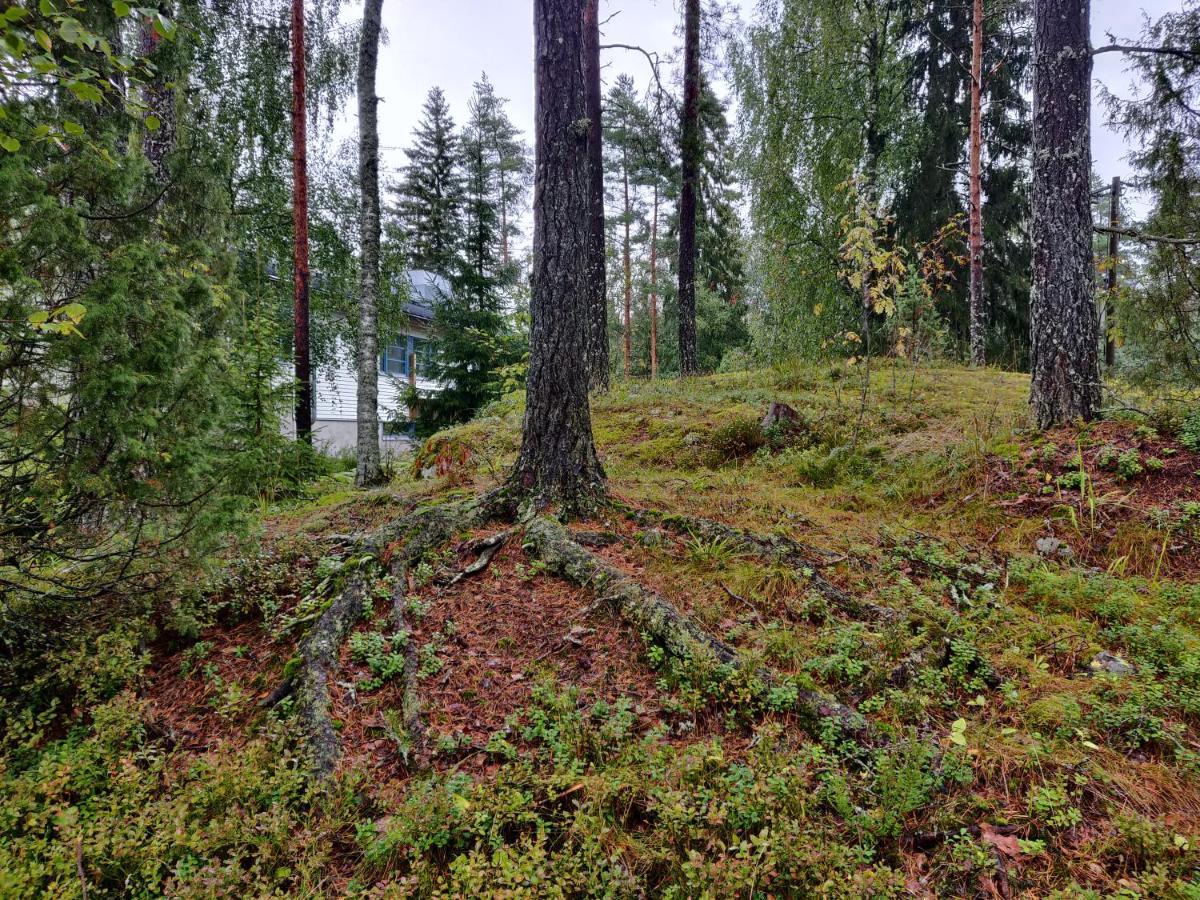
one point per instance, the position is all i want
(1188, 55)
(1136, 235)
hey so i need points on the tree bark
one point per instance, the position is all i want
(1114, 248)
(654, 287)
(558, 462)
(1065, 339)
(628, 267)
(690, 168)
(157, 145)
(300, 227)
(369, 470)
(596, 285)
(978, 320)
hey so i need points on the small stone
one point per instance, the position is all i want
(692, 439)
(1049, 546)
(1110, 663)
(653, 537)
(429, 472)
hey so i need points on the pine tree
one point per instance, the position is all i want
(690, 152)
(1065, 339)
(557, 462)
(430, 198)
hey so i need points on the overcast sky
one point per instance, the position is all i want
(451, 42)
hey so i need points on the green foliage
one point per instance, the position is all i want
(733, 441)
(382, 654)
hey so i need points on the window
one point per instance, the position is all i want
(395, 356)
(394, 360)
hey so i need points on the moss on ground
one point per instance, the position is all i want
(1005, 760)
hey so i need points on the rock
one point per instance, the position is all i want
(653, 537)
(1110, 663)
(429, 472)
(779, 414)
(1052, 546)
(692, 439)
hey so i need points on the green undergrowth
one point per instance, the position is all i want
(1034, 719)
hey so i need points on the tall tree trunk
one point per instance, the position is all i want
(503, 213)
(628, 266)
(654, 287)
(159, 143)
(978, 320)
(369, 469)
(875, 143)
(1114, 248)
(596, 286)
(690, 166)
(1065, 339)
(558, 462)
(300, 226)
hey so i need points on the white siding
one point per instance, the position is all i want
(336, 389)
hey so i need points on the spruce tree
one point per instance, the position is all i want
(472, 340)
(430, 198)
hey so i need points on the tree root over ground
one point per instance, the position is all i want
(771, 548)
(403, 543)
(656, 618)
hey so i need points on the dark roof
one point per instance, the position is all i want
(425, 291)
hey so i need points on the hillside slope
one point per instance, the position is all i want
(1009, 622)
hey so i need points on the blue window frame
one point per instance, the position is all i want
(394, 359)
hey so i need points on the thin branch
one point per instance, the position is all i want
(651, 58)
(1162, 51)
(1147, 238)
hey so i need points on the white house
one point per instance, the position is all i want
(335, 387)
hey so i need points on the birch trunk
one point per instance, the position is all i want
(369, 470)
(978, 320)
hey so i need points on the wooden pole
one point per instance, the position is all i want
(300, 226)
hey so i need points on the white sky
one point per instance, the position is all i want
(451, 42)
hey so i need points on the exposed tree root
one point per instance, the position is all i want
(318, 658)
(658, 619)
(772, 548)
(410, 704)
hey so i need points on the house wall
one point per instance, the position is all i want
(335, 414)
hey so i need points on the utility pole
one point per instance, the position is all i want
(1114, 239)
(300, 227)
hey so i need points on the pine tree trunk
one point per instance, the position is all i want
(558, 462)
(628, 267)
(300, 226)
(1065, 338)
(978, 321)
(369, 470)
(596, 286)
(1114, 248)
(690, 166)
(654, 287)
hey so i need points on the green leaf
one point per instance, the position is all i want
(11, 144)
(121, 8)
(958, 732)
(72, 128)
(46, 7)
(43, 39)
(88, 93)
(71, 31)
(15, 13)
(152, 123)
(74, 311)
(39, 317)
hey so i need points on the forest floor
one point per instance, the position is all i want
(1024, 641)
